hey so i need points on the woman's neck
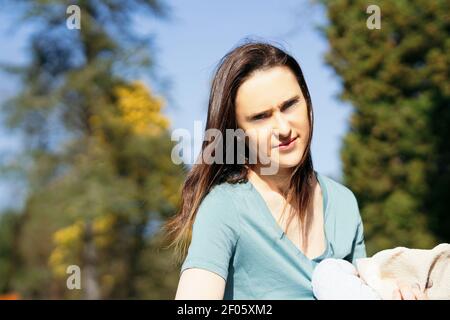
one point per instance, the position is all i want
(278, 182)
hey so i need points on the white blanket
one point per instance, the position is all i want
(377, 277)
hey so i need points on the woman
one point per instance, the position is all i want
(244, 233)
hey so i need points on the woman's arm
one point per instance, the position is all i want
(200, 284)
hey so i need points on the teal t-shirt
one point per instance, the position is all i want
(235, 236)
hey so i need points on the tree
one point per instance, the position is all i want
(396, 154)
(98, 167)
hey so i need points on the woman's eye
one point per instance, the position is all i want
(289, 106)
(259, 116)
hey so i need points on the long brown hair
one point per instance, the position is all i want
(234, 68)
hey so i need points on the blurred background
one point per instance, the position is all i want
(86, 176)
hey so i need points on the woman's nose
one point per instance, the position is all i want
(282, 127)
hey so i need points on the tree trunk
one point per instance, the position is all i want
(90, 285)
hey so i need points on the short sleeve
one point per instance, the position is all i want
(214, 234)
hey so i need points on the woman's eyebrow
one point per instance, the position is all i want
(281, 106)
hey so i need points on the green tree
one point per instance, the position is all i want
(396, 154)
(97, 162)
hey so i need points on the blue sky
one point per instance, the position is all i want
(190, 44)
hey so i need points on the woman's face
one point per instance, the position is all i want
(271, 110)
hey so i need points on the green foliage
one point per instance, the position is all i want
(98, 168)
(396, 154)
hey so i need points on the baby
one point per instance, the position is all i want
(376, 278)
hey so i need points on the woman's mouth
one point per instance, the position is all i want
(288, 145)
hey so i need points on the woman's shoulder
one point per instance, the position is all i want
(221, 202)
(337, 188)
(342, 200)
(228, 191)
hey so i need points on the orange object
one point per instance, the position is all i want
(10, 296)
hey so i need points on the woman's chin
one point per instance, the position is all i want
(286, 164)
(288, 161)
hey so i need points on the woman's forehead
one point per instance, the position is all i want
(267, 89)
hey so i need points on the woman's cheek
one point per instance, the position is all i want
(265, 142)
(260, 143)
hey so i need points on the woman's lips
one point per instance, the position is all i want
(287, 145)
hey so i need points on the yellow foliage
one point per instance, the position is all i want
(103, 224)
(102, 227)
(57, 261)
(68, 235)
(66, 241)
(69, 239)
(140, 109)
